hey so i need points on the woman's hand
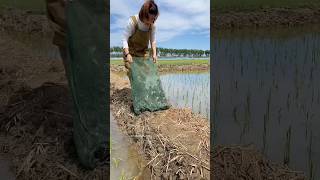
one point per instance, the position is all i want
(155, 58)
(129, 58)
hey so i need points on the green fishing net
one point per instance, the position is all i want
(87, 77)
(147, 91)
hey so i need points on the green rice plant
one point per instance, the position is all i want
(310, 159)
(279, 114)
(111, 144)
(264, 136)
(286, 159)
(116, 162)
(123, 176)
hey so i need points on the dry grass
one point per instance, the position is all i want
(38, 134)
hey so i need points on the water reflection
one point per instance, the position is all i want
(125, 161)
(38, 45)
(189, 89)
(265, 92)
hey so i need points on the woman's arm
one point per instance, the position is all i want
(128, 31)
(154, 52)
(154, 44)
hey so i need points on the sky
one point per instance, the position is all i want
(182, 24)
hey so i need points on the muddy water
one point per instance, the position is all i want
(191, 90)
(125, 163)
(40, 45)
(266, 92)
(5, 172)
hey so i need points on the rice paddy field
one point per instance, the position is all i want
(265, 92)
(188, 90)
(169, 62)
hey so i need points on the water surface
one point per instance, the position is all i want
(266, 92)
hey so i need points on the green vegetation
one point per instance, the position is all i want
(183, 62)
(171, 62)
(222, 5)
(117, 52)
(116, 162)
(33, 5)
(123, 176)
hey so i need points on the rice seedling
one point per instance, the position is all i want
(188, 90)
(286, 159)
(116, 162)
(123, 176)
(281, 75)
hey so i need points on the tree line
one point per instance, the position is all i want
(166, 52)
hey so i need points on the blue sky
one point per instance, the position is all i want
(182, 24)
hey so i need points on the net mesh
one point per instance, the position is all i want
(147, 91)
(87, 76)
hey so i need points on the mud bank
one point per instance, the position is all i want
(168, 68)
(268, 17)
(35, 116)
(37, 135)
(30, 22)
(164, 137)
(23, 21)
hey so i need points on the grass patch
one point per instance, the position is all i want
(33, 5)
(171, 62)
(243, 5)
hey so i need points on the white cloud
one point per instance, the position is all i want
(187, 6)
(177, 17)
(115, 39)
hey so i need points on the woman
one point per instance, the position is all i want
(137, 35)
(139, 31)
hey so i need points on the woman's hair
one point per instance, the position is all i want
(149, 7)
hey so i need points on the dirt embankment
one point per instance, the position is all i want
(36, 117)
(23, 21)
(169, 68)
(174, 141)
(29, 22)
(268, 17)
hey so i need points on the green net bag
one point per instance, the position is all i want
(147, 91)
(87, 77)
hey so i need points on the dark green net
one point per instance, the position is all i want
(147, 91)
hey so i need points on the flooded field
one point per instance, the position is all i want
(40, 45)
(125, 161)
(6, 172)
(265, 92)
(188, 89)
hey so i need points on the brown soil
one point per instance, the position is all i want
(245, 162)
(35, 116)
(27, 21)
(269, 17)
(23, 21)
(164, 136)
